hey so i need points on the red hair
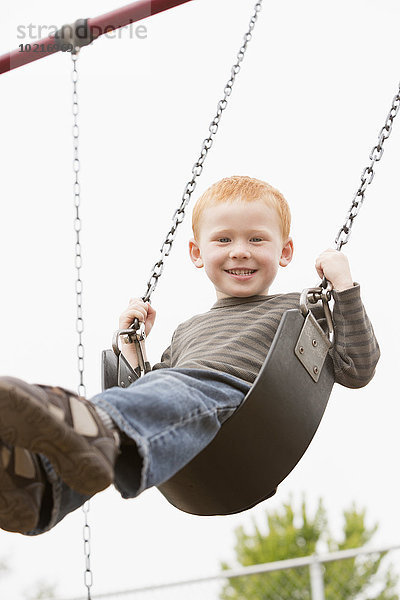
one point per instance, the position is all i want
(245, 189)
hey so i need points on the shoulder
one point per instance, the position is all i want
(281, 301)
(288, 297)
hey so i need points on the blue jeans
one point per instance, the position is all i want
(166, 418)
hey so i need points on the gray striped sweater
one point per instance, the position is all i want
(234, 337)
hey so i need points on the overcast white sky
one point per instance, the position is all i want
(315, 89)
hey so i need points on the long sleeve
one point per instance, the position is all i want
(356, 350)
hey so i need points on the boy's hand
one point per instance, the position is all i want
(335, 267)
(140, 310)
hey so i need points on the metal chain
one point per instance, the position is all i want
(88, 574)
(368, 174)
(197, 169)
(77, 227)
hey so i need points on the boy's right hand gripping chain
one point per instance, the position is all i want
(134, 335)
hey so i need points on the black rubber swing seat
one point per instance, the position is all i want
(260, 444)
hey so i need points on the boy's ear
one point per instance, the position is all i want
(287, 253)
(195, 255)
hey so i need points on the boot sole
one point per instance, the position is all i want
(25, 421)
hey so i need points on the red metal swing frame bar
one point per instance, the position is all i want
(98, 26)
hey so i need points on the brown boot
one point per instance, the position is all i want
(22, 485)
(62, 426)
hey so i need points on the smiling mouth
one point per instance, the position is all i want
(241, 273)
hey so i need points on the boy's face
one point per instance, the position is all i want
(243, 237)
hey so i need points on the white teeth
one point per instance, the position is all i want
(240, 272)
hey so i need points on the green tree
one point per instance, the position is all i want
(291, 535)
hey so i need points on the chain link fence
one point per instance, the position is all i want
(357, 574)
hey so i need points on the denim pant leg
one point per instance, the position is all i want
(168, 416)
(58, 501)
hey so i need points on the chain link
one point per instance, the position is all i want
(368, 174)
(88, 574)
(197, 169)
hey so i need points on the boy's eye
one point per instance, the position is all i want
(223, 239)
(257, 239)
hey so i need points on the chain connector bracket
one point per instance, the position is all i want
(136, 337)
(72, 37)
(314, 295)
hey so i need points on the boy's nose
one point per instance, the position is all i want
(239, 251)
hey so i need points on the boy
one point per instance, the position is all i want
(57, 450)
